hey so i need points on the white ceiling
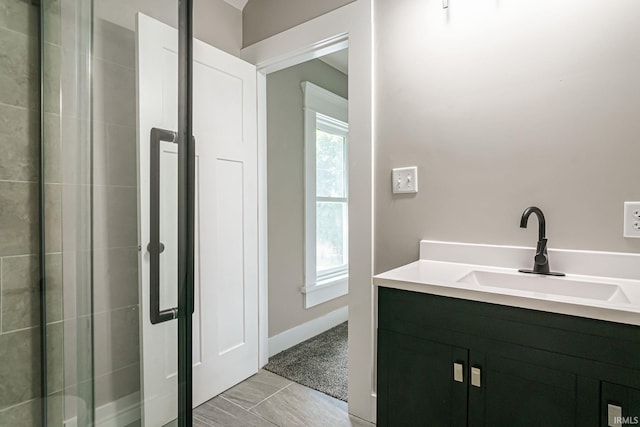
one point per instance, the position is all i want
(238, 4)
(338, 60)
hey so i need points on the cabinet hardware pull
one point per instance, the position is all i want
(458, 372)
(475, 377)
(614, 415)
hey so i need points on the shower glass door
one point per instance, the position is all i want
(93, 250)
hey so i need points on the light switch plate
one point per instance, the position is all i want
(632, 219)
(404, 180)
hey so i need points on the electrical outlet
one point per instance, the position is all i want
(632, 219)
(405, 180)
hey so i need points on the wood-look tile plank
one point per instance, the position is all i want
(255, 389)
(200, 422)
(298, 405)
(219, 412)
(359, 422)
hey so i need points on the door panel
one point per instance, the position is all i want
(517, 393)
(225, 319)
(228, 214)
(421, 387)
(225, 127)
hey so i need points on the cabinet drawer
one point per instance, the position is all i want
(415, 313)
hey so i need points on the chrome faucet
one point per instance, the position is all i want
(541, 260)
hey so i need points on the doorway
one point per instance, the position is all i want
(349, 25)
(308, 221)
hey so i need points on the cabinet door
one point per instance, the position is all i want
(506, 393)
(620, 405)
(416, 384)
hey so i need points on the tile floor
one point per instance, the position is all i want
(267, 400)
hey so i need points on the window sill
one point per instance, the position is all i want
(325, 290)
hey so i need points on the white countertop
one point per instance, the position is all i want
(441, 276)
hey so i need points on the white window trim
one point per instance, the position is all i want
(317, 100)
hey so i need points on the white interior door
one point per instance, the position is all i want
(225, 322)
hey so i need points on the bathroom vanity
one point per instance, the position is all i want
(463, 339)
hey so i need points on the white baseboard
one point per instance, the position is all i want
(119, 413)
(298, 334)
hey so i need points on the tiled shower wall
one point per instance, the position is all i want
(114, 216)
(19, 239)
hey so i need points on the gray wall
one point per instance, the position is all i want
(503, 105)
(19, 237)
(285, 171)
(215, 21)
(263, 18)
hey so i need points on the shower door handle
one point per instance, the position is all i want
(155, 247)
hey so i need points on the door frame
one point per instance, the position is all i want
(350, 25)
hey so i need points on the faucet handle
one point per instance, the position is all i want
(541, 253)
(540, 259)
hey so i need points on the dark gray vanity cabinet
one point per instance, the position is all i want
(451, 362)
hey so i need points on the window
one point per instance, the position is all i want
(331, 198)
(326, 195)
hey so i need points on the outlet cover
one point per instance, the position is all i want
(404, 180)
(632, 219)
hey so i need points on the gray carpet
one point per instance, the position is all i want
(319, 362)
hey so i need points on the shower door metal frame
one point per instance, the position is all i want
(186, 217)
(186, 209)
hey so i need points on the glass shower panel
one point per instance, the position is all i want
(95, 262)
(23, 375)
(68, 210)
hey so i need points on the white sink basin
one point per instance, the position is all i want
(549, 285)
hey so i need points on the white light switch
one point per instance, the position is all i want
(405, 180)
